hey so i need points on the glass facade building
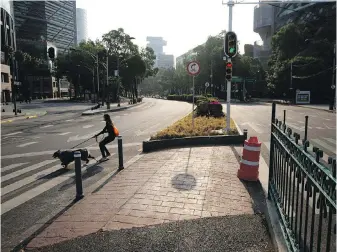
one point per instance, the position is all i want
(40, 25)
(7, 45)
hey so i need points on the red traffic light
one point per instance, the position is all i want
(229, 65)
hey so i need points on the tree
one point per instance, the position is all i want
(299, 59)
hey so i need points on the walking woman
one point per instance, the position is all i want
(109, 128)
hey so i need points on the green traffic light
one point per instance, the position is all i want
(232, 50)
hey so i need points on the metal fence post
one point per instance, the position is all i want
(78, 175)
(306, 129)
(271, 154)
(120, 153)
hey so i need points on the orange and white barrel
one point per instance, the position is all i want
(249, 165)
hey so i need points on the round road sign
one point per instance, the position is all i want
(193, 68)
(206, 84)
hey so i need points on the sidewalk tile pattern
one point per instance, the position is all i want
(160, 187)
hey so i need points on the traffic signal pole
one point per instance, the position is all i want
(228, 115)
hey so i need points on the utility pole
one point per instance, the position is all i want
(118, 84)
(97, 78)
(333, 84)
(212, 89)
(229, 60)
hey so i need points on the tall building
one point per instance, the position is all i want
(270, 19)
(7, 45)
(162, 60)
(82, 25)
(40, 25)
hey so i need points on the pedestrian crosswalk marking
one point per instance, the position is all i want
(46, 126)
(267, 144)
(295, 127)
(28, 195)
(87, 126)
(14, 133)
(16, 185)
(324, 145)
(26, 144)
(40, 153)
(12, 166)
(64, 133)
(25, 170)
(333, 141)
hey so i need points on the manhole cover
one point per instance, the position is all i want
(184, 182)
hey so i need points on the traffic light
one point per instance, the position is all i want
(231, 44)
(51, 52)
(229, 68)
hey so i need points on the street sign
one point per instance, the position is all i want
(206, 84)
(237, 79)
(193, 68)
(303, 97)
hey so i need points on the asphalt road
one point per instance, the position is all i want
(256, 118)
(35, 187)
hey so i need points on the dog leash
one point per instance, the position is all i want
(82, 142)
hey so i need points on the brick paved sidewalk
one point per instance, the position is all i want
(160, 187)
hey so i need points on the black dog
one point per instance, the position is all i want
(66, 157)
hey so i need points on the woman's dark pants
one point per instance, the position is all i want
(102, 146)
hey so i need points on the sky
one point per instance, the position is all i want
(184, 24)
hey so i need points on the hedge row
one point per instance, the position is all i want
(189, 98)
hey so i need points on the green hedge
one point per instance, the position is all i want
(189, 98)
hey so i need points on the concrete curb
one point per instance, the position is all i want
(91, 112)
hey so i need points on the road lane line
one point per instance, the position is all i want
(333, 141)
(28, 195)
(40, 153)
(319, 128)
(87, 126)
(14, 133)
(46, 126)
(26, 144)
(12, 166)
(64, 133)
(69, 120)
(267, 144)
(324, 145)
(20, 183)
(25, 170)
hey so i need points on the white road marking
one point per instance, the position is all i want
(257, 129)
(14, 133)
(46, 126)
(319, 128)
(87, 126)
(18, 184)
(333, 141)
(115, 117)
(267, 144)
(40, 153)
(328, 119)
(102, 121)
(28, 195)
(77, 137)
(64, 133)
(324, 145)
(25, 170)
(26, 144)
(125, 114)
(69, 120)
(295, 127)
(12, 166)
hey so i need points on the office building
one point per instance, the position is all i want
(7, 45)
(82, 25)
(162, 60)
(269, 19)
(165, 61)
(40, 25)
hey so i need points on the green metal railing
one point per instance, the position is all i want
(302, 188)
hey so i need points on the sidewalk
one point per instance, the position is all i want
(113, 107)
(175, 190)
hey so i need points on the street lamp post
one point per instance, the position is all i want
(95, 58)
